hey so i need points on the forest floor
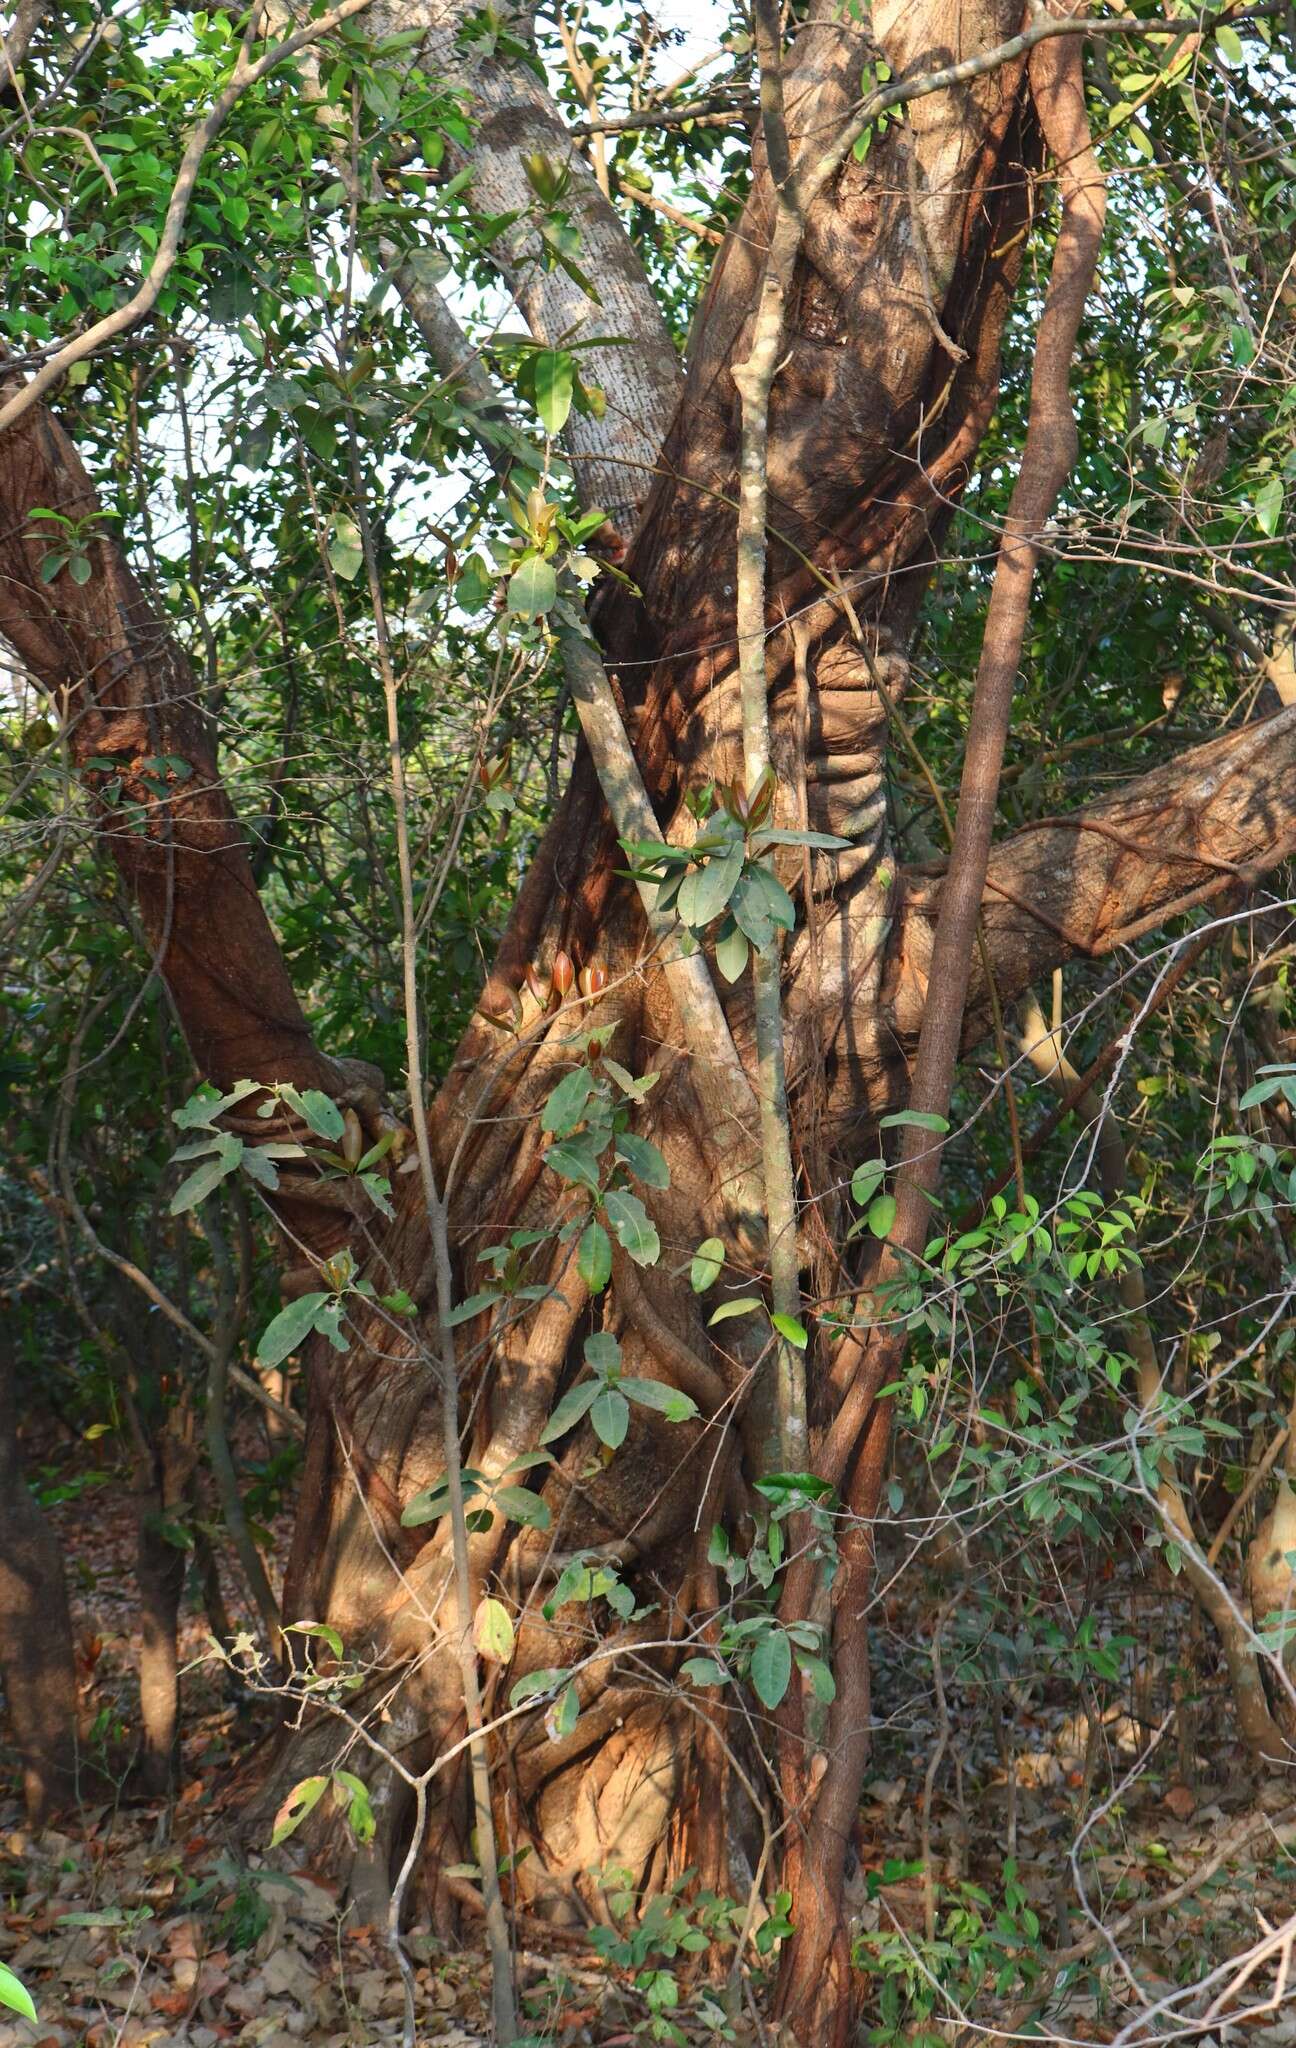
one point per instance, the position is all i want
(136, 1926)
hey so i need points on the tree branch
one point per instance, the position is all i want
(141, 302)
(129, 703)
(1221, 815)
(516, 119)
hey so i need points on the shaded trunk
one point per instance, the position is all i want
(163, 1484)
(36, 1655)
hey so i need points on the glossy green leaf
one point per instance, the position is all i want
(569, 1411)
(705, 891)
(290, 1327)
(566, 1104)
(553, 380)
(771, 1667)
(533, 588)
(15, 1995)
(742, 1305)
(634, 1229)
(594, 1257)
(644, 1160)
(668, 1401)
(708, 1264)
(610, 1417)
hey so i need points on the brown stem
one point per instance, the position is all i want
(808, 1995)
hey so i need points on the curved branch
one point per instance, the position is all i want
(1220, 815)
(141, 743)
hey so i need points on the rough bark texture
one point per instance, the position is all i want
(129, 698)
(515, 118)
(894, 331)
(36, 1657)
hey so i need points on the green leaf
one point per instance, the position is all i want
(260, 1167)
(521, 1504)
(15, 1995)
(881, 1215)
(668, 1401)
(636, 1089)
(200, 1183)
(742, 1306)
(778, 1486)
(428, 1506)
(533, 588)
(570, 1410)
(920, 1119)
(771, 1667)
(290, 1328)
(323, 1629)
(346, 550)
(704, 1671)
(493, 1631)
(610, 1417)
(576, 1160)
(204, 1106)
(761, 904)
(731, 950)
(643, 1159)
(1241, 345)
(564, 1714)
(828, 842)
(594, 1257)
(317, 1110)
(553, 378)
(473, 1306)
(578, 1583)
(527, 1687)
(789, 1327)
(475, 584)
(301, 1801)
(1269, 505)
(546, 178)
(705, 891)
(566, 1104)
(603, 1351)
(634, 1229)
(1230, 43)
(822, 1682)
(428, 267)
(351, 1797)
(865, 1181)
(708, 1264)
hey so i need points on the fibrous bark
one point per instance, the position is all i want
(894, 321)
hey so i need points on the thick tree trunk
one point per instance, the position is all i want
(891, 377)
(891, 340)
(36, 1656)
